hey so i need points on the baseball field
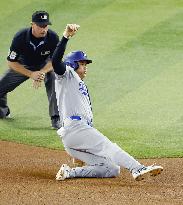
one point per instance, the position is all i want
(136, 84)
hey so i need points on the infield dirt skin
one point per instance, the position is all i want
(27, 176)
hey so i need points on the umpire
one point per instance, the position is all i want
(30, 57)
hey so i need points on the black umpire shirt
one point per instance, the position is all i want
(30, 51)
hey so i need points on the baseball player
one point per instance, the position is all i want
(30, 57)
(81, 140)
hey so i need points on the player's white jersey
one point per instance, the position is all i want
(72, 96)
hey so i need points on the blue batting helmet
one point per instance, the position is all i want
(73, 57)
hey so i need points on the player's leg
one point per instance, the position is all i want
(96, 167)
(119, 156)
(124, 160)
(50, 90)
(95, 142)
(84, 144)
(87, 139)
(8, 82)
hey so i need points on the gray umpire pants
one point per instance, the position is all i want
(12, 79)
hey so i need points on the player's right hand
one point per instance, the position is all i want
(70, 30)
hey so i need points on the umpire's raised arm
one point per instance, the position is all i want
(57, 62)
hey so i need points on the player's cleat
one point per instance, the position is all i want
(63, 173)
(143, 172)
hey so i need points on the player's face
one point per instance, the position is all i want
(39, 31)
(82, 70)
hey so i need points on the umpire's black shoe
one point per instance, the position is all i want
(55, 122)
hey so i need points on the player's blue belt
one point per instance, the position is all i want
(75, 117)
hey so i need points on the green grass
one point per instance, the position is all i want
(135, 80)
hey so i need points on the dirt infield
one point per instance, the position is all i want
(27, 176)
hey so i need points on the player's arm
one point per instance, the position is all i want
(57, 62)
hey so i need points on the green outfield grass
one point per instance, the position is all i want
(136, 79)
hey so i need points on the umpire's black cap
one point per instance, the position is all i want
(41, 18)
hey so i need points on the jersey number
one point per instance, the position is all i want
(83, 88)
